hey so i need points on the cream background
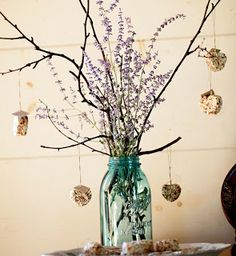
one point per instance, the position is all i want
(36, 214)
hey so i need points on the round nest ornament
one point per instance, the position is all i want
(215, 59)
(81, 195)
(211, 103)
(171, 192)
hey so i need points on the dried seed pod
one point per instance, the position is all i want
(170, 245)
(81, 195)
(216, 60)
(94, 248)
(171, 192)
(139, 247)
(211, 103)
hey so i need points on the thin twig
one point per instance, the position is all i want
(49, 54)
(80, 76)
(12, 38)
(33, 63)
(98, 42)
(104, 58)
(76, 142)
(159, 149)
(186, 54)
(36, 46)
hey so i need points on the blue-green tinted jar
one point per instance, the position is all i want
(125, 202)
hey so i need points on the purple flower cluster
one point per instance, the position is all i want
(62, 118)
(113, 5)
(124, 81)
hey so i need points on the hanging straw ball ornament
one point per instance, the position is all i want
(171, 192)
(211, 103)
(20, 123)
(81, 195)
(215, 59)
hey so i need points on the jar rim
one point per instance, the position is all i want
(133, 159)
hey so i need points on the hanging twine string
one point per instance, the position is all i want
(169, 150)
(210, 78)
(19, 92)
(214, 42)
(214, 27)
(79, 158)
(79, 165)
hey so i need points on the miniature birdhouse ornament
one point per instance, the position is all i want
(215, 59)
(211, 103)
(20, 123)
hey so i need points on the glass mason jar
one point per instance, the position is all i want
(125, 202)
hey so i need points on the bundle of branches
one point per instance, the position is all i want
(122, 86)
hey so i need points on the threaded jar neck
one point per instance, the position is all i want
(129, 161)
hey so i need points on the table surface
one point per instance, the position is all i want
(75, 252)
(226, 253)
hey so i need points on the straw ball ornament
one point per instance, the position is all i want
(215, 59)
(171, 192)
(211, 103)
(81, 195)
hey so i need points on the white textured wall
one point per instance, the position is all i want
(36, 214)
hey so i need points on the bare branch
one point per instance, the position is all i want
(81, 77)
(188, 52)
(33, 63)
(86, 35)
(80, 143)
(97, 40)
(83, 48)
(37, 47)
(84, 99)
(12, 38)
(159, 149)
(68, 137)
(74, 145)
(195, 49)
(49, 54)
(53, 123)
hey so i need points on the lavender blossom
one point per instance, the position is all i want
(123, 83)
